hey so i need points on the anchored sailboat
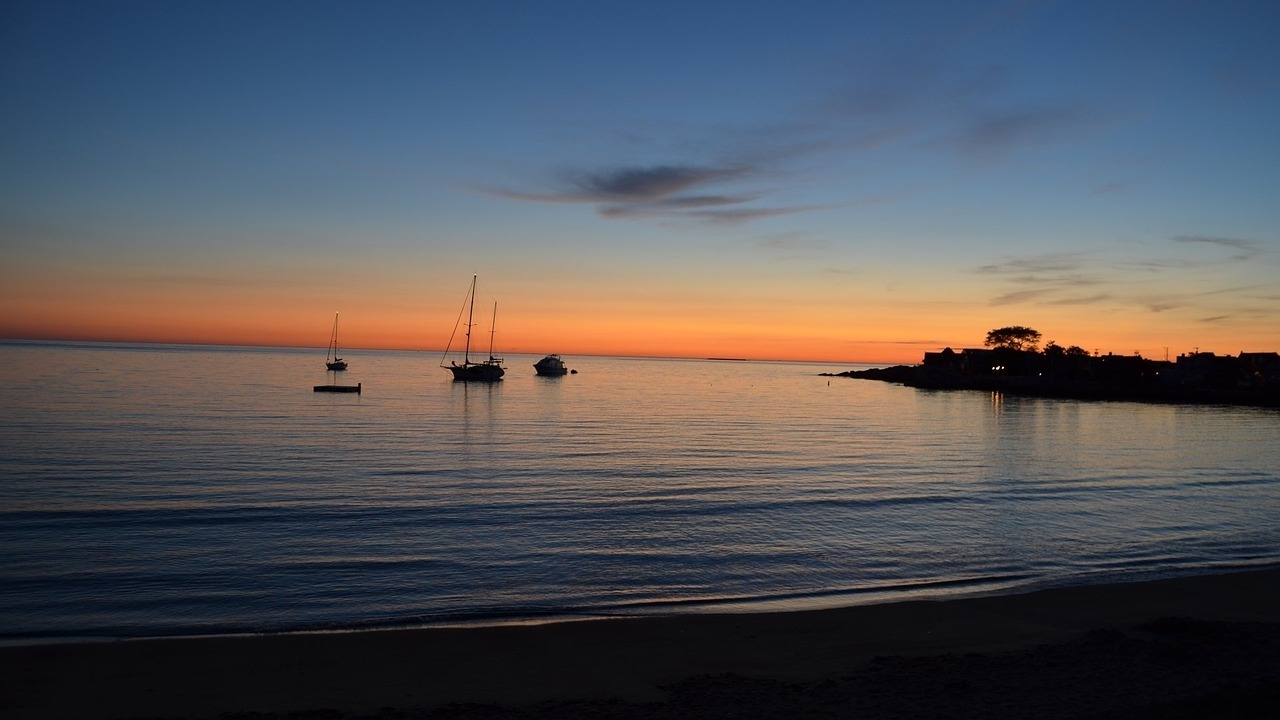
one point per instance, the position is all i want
(331, 359)
(485, 370)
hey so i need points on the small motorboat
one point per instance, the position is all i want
(551, 365)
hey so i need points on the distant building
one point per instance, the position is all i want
(1261, 368)
(1250, 378)
(947, 359)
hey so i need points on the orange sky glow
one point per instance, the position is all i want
(840, 182)
(696, 324)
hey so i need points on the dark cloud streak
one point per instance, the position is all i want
(1245, 249)
(643, 184)
(739, 215)
(909, 103)
(658, 191)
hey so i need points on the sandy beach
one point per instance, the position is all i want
(1206, 646)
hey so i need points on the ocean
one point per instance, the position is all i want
(180, 490)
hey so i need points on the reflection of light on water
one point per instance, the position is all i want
(637, 486)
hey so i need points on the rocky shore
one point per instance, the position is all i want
(926, 378)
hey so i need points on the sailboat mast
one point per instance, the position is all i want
(493, 328)
(466, 353)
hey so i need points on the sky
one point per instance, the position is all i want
(832, 181)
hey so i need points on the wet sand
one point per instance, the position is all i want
(1206, 646)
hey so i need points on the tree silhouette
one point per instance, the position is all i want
(1014, 337)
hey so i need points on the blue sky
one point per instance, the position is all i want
(857, 180)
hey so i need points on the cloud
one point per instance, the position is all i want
(1156, 285)
(1244, 248)
(1215, 296)
(790, 245)
(900, 106)
(997, 134)
(669, 206)
(1041, 276)
(1052, 279)
(740, 215)
(643, 184)
(936, 104)
(1081, 300)
(1158, 265)
(920, 100)
(893, 108)
(658, 191)
(1052, 263)
(625, 185)
(1017, 297)
(1058, 278)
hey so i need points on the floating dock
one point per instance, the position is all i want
(338, 388)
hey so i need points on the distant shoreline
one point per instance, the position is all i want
(917, 376)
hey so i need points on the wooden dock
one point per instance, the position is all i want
(338, 388)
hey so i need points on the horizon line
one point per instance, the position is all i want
(70, 340)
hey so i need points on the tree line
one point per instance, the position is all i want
(1025, 339)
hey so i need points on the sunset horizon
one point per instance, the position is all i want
(830, 181)
(533, 346)
(648, 359)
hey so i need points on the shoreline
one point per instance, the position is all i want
(737, 607)
(861, 657)
(921, 378)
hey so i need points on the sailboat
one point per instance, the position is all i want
(331, 359)
(485, 370)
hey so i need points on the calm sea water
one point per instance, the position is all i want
(152, 490)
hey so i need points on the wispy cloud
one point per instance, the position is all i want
(1018, 297)
(659, 191)
(1051, 263)
(626, 185)
(790, 245)
(933, 104)
(740, 215)
(1082, 299)
(669, 206)
(1159, 284)
(902, 106)
(1244, 248)
(646, 184)
(1042, 277)
(996, 134)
